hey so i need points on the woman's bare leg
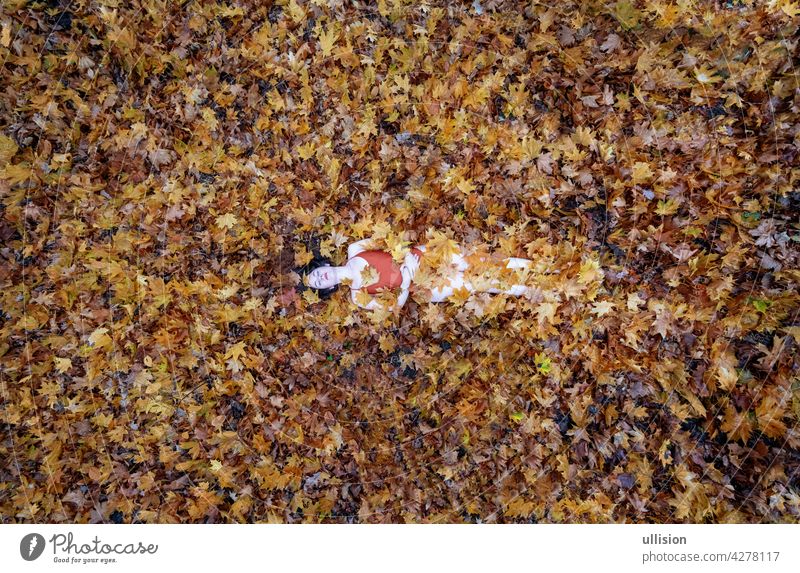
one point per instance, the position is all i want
(444, 292)
(517, 263)
(515, 290)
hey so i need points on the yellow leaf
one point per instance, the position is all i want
(226, 221)
(210, 118)
(327, 39)
(302, 257)
(306, 150)
(666, 208)
(641, 172)
(332, 171)
(397, 247)
(664, 455)
(62, 364)
(387, 343)
(381, 230)
(589, 272)
(99, 337)
(726, 373)
(369, 275)
(228, 291)
(8, 148)
(466, 186)
(634, 301)
(296, 12)
(18, 173)
(236, 351)
(583, 136)
(546, 19)
(216, 465)
(28, 322)
(791, 9)
(363, 297)
(5, 36)
(241, 507)
(310, 296)
(602, 308)
(668, 16)
(546, 311)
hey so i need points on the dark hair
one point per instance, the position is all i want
(316, 262)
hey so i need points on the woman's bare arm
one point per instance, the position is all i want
(401, 300)
(354, 248)
(373, 304)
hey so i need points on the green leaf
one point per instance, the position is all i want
(627, 14)
(542, 362)
(517, 416)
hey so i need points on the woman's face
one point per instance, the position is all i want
(322, 278)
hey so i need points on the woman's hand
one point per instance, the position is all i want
(373, 304)
(408, 269)
(369, 306)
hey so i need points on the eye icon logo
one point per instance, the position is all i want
(31, 546)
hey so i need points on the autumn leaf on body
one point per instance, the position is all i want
(363, 297)
(369, 275)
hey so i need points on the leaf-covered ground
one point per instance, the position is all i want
(166, 167)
